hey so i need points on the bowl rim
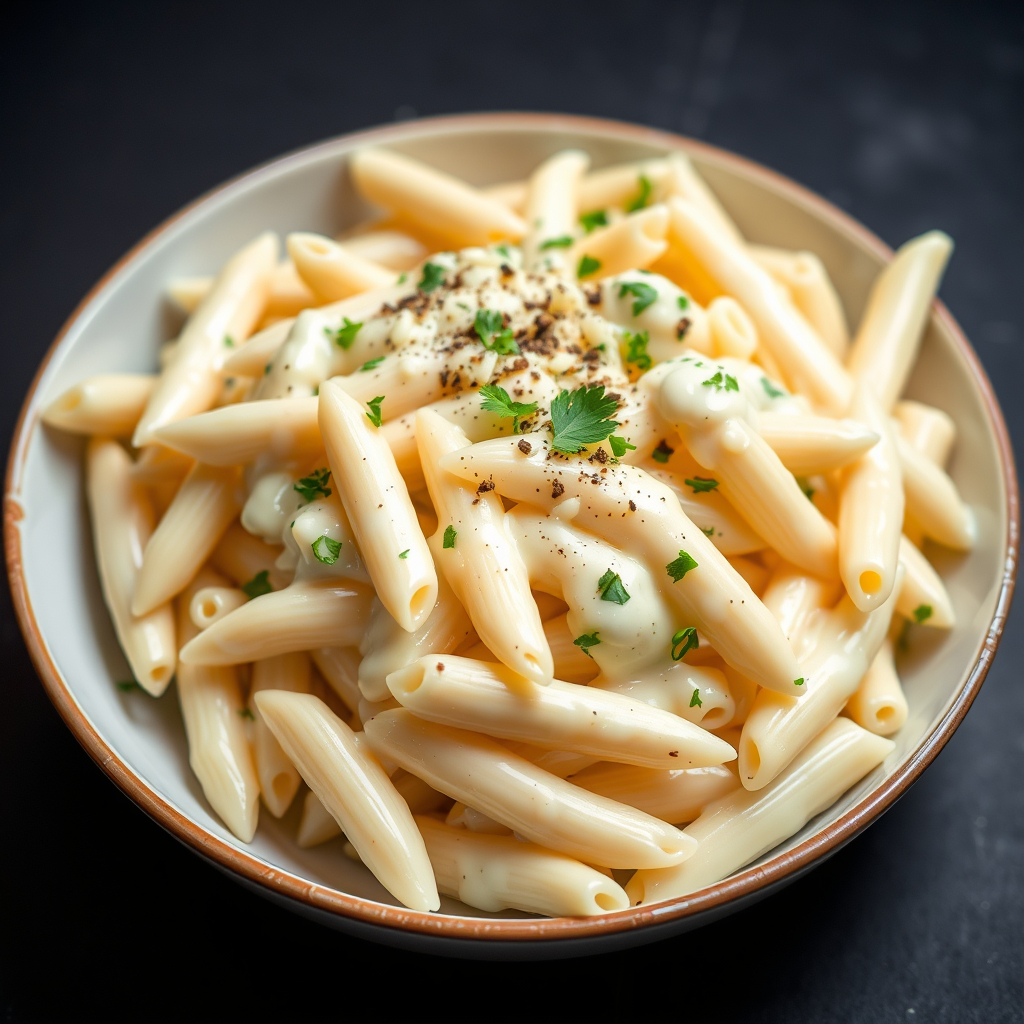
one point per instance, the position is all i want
(322, 898)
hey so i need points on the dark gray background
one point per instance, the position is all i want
(909, 116)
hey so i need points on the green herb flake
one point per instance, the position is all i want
(644, 295)
(450, 533)
(402, 279)
(804, 486)
(504, 250)
(619, 446)
(433, 277)
(722, 383)
(344, 335)
(594, 219)
(643, 197)
(405, 553)
(127, 685)
(497, 399)
(663, 452)
(636, 350)
(700, 484)
(580, 417)
(374, 415)
(326, 549)
(798, 682)
(611, 588)
(493, 334)
(587, 266)
(371, 364)
(258, 585)
(586, 641)
(695, 701)
(680, 566)
(562, 242)
(266, 369)
(314, 485)
(229, 342)
(247, 714)
(683, 641)
(709, 532)
(922, 613)
(771, 390)
(683, 302)
(316, 391)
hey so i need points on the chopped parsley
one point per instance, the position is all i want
(402, 279)
(493, 334)
(326, 549)
(709, 532)
(587, 266)
(586, 641)
(619, 445)
(127, 685)
(771, 390)
(433, 277)
(314, 485)
(580, 417)
(922, 613)
(716, 382)
(229, 342)
(680, 566)
(798, 682)
(683, 641)
(683, 302)
(611, 588)
(663, 452)
(345, 334)
(371, 364)
(450, 534)
(497, 399)
(562, 242)
(644, 295)
(695, 701)
(258, 585)
(594, 219)
(504, 250)
(636, 349)
(805, 487)
(266, 369)
(374, 406)
(700, 484)
(246, 713)
(405, 553)
(643, 197)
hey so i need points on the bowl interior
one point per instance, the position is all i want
(122, 325)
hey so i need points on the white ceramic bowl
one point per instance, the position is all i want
(140, 743)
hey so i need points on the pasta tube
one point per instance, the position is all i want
(890, 331)
(879, 705)
(122, 522)
(628, 507)
(926, 429)
(537, 805)
(621, 185)
(245, 559)
(109, 405)
(732, 332)
(488, 697)
(378, 507)
(331, 270)
(934, 502)
(635, 241)
(340, 667)
(779, 727)
(551, 206)
(218, 748)
(794, 597)
(482, 563)
(871, 511)
(923, 598)
(289, 294)
(808, 445)
(351, 784)
(210, 604)
(439, 202)
(207, 501)
(191, 381)
(684, 181)
(253, 358)
(571, 664)
(498, 872)
(738, 828)
(392, 249)
(298, 618)
(316, 825)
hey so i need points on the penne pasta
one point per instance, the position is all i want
(316, 825)
(626, 186)
(635, 241)
(340, 667)
(551, 211)
(253, 358)
(392, 249)
(248, 561)
(732, 332)
(212, 603)
(879, 705)
(795, 598)
(934, 502)
(332, 271)
(923, 598)
(108, 405)
(808, 445)
(926, 429)
(570, 663)
(684, 181)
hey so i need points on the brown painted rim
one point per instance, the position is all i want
(744, 883)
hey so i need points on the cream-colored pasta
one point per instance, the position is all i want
(926, 429)
(122, 523)
(923, 598)
(108, 405)
(934, 502)
(393, 249)
(206, 503)
(794, 598)
(890, 330)
(550, 212)
(675, 796)
(253, 358)
(209, 604)
(243, 558)
(332, 271)
(496, 872)
(378, 506)
(635, 241)
(571, 664)
(753, 572)
(779, 727)
(461, 816)
(316, 825)
(871, 510)
(489, 698)
(441, 203)
(622, 185)
(482, 564)
(212, 708)
(299, 618)
(879, 704)
(562, 763)
(807, 282)
(732, 332)
(684, 181)
(738, 828)
(191, 381)
(417, 794)
(353, 787)
(288, 294)
(340, 667)
(533, 803)
(808, 445)
(509, 193)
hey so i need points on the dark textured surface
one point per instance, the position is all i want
(909, 116)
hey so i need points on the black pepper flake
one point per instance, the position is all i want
(600, 455)
(557, 490)
(485, 486)
(524, 446)
(632, 505)
(682, 327)
(673, 753)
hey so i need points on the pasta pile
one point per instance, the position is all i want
(555, 537)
